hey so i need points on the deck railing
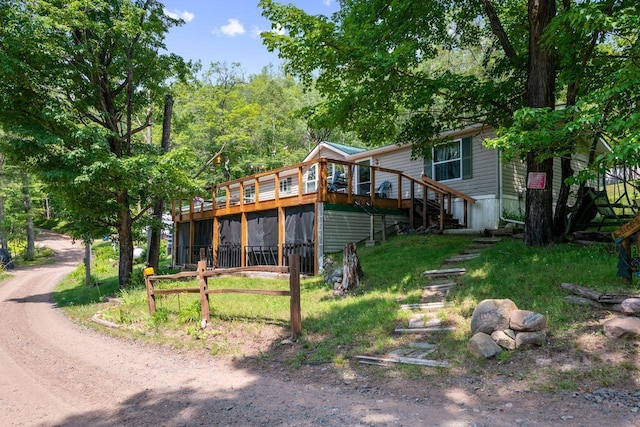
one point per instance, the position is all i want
(323, 180)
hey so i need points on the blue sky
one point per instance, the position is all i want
(228, 30)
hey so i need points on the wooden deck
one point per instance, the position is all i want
(309, 184)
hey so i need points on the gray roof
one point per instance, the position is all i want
(345, 148)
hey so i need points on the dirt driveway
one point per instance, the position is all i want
(53, 372)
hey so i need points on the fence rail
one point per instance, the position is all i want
(203, 274)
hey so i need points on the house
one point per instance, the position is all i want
(341, 194)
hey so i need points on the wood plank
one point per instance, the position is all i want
(626, 230)
(582, 291)
(425, 306)
(249, 291)
(424, 330)
(459, 258)
(175, 291)
(445, 272)
(487, 240)
(441, 286)
(399, 359)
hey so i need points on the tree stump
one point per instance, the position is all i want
(352, 271)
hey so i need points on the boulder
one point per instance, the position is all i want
(622, 327)
(483, 346)
(505, 339)
(527, 321)
(630, 306)
(492, 315)
(531, 339)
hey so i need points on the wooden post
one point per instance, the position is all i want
(294, 289)
(151, 298)
(204, 297)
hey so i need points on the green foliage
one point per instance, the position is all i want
(79, 80)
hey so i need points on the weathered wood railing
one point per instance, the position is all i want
(203, 274)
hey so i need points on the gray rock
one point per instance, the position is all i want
(631, 305)
(531, 339)
(622, 327)
(492, 315)
(483, 346)
(504, 340)
(527, 321)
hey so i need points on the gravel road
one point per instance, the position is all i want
(56, 373)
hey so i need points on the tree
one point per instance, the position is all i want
(78, 82)
(379, 63)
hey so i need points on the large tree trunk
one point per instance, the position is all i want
(540, 94)
(28, 210)
(125, 238)
(153, 254)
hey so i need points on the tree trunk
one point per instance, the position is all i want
(125, 238)
(4, 240)
(153, 254)
(87, 262)
(351, 269)
(561, 212)
(28, 210)
(540, 94)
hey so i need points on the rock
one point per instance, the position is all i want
(527, 321)
(492, 315)
(630, 305)
(622, 327)
(336, 276)
(483, 346)
(531, 339)
(504, 339)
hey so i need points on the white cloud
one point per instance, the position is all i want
(326, 2)
(186, 16)
(233, 28)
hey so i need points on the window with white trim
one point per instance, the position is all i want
(250, 193)
(286, 185)
(450, 161)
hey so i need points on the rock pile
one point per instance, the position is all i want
(498, 324)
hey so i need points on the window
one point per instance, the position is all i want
(311, 182)
(285, 185)
(450, 161)
(447, 161)
(364, 177)
(250, 193)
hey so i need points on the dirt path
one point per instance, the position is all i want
(53, 372)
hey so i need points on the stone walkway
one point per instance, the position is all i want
(424, 318)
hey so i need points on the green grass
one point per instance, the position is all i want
(335, 329)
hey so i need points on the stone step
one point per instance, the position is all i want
(460, 258)
(424, 321)
(425, 306)
(474, 250)
(440, 285)
(384, 360)
(487, 240)
(445, 272)
(425, 330)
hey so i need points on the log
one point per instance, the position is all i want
(583, 301)
(603, 298)
(582, 291)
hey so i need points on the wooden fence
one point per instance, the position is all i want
(203, 274)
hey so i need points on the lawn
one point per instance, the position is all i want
(337, 328)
